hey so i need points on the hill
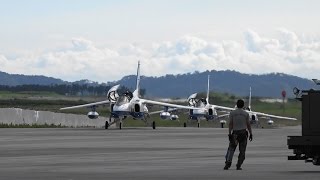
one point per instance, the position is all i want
(182, 85)
(232, 82)
(19, 79)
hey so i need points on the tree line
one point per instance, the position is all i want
(66, 89)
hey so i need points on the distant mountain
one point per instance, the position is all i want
(232, 82)
(182, 85)
(19, 79)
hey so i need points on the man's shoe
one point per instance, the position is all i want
(227, 166)
(239, 168)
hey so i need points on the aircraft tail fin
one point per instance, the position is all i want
(250, 99)
(207, 99)
(136, 93)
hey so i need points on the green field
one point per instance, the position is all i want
(47, 101)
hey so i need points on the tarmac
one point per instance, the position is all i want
(144, 153)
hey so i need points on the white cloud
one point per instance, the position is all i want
(82, 59)
(81, 44)
(289, 40)
(3, 60)
(258, 44)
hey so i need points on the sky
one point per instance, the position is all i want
(102, 40)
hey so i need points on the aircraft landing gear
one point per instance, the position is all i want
(198, 124)
(111, 121)
(153, 125)
(184, 124)
(120, 125)
(107, 125)
(316, 161)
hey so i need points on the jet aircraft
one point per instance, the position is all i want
(209, 111)
(206, 110)
(129, 104)
(254, 115)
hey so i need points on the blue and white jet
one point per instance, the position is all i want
(205, 111)
(254, 115)
(129, 104)
(209, 111)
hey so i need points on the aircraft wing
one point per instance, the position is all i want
(223, 108)
(145, 101)
(157, 112)
(263, 115)
(87, 105)
(223, 115)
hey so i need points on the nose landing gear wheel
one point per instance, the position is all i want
(153, 125)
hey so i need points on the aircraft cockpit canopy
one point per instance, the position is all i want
(201, 102)
(204, 101)
(128, 94)
(122, 100)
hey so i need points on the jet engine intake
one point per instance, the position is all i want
(210, 111)
(137, 107)
(111, 107)
(191, 112)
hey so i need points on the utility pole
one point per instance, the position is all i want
(284, 94)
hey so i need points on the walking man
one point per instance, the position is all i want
(238, 134)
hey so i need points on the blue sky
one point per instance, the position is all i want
(37, 32)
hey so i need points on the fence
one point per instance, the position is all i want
(22, 116)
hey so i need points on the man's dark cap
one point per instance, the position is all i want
(240, 103)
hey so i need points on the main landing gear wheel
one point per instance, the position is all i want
(198, 124)
(107, 125)
(153, 125)
(184, 124)
(120, 125)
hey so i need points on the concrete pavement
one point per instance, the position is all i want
(143, 153)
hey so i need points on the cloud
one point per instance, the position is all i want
(258, 44)
(81, 44)
(289, 40)
(82, 59)
(3, 60)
